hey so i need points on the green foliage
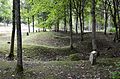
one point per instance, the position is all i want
(116, 75)
(112, 30)
(74, 57)
(5, 10)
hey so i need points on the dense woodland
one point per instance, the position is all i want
(61, 34)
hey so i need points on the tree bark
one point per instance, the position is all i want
(71, 37)
(28, 24)
(77, 24)
(19, 67)
(106, 17)
(11, 54)
(93, 25)
(57, 26)
(81, 27)
(114, 20)
(33, 22)
(117, 4)
(65, 26)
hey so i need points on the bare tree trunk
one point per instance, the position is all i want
(33, 22)
(57, 26)
(93, 26)
(81, 26)
(19, 67)
(65, 26)
(114, 20)
(28, 21)
(117, 4)
(71, 37)
(11, 54)
(28, 24)
(83, 20)
(77, 24)
(106, 17)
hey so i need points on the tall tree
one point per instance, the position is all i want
(28, 20)
(11, 55)
(33, 22)
(93, 25)
(113, 11)
(106, 16)
(71, 37)
(65, 26)
(19, 67)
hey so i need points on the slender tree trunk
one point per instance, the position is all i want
(65, 26)
(71, 37)
(28, 23)
(33, 22)
(11, 55)
(114, 20)
(83, 19)
(106, 17)
(57, 26)
(77, 24)
(81, 27)
(19, 67)
(118, 3)
(93, 26)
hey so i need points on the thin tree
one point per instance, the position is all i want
(19, 67)
(76, 28)
(65, 25)
(71, 37)
(93, 25)
(11, 54)
(28, 21)
(33, 22)
(106, 17)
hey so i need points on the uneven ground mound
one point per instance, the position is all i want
(55, 46)
(46, 55)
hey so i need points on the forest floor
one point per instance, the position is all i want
(46, 55)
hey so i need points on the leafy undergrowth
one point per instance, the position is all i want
(61, 69)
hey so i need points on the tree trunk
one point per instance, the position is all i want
(19, 67)
(77, 24)
(114, 20)
(106, 17)
(33, 22)
(83, 20)
(11, 55)
(118, 3)
(65, 27)
(71, 37)
(57, 26)
(81, 27)
(28, 23)
(93, 25)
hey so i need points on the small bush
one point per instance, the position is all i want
(116, 75)
(112, 30)
(74, 57)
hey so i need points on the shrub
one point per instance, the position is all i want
(74, 57)
(112, 30)
(116, 75)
